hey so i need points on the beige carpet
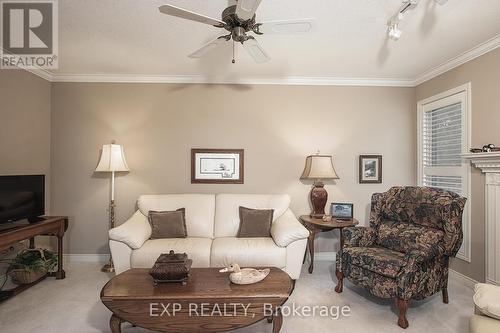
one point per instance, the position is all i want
(72, 306)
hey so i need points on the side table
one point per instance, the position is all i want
(315, 225)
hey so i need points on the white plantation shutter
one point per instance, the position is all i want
(443, 136)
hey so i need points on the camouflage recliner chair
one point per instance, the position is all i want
(404, 253)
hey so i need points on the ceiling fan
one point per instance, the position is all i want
(239, 20)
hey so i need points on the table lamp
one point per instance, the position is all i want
(112, 160)
(319, 167)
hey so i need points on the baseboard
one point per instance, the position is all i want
(91, 258)
(467, 281)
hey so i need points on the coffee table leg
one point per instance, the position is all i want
(277, 320)
(115, 324)
(310, 244)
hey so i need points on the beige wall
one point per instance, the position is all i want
(484, 75)
(25, 125)
(277, 126)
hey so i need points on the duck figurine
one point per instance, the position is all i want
(245, 275)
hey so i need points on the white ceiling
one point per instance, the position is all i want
(131, 37)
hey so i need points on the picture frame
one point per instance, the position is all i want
(342, 210)
(217, 166)
(370, 169)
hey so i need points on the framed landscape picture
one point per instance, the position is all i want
(217, 166)
(370, 169)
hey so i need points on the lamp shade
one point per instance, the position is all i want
(319, 167)
(112, 159)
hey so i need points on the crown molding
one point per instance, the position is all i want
(461, 59)
(196, 79)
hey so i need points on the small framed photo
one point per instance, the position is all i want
(341, 211)
(217, 166)
(370, 169)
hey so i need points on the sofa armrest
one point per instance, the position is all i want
(133, 232)
(287, 229)
(358, 236)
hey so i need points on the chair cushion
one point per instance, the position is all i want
(375, 259)
(247, 252)
(200, 210)
(487, 299)
(197, 249)
(227, 217)
(403, 237)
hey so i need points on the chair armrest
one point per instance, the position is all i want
(287, 229)
(133, 232)
(358, 237)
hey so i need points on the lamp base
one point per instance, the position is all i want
(319, 197)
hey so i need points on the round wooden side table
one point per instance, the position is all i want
(315, 225)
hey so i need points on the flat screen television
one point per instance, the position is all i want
(22, 197)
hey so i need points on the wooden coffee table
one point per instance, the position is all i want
(209, 302)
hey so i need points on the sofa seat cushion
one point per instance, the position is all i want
(197, 249)
(403, 237)
(375, 259)
(247, 252)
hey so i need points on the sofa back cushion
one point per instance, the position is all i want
(403, 237)
(227, 219)
(200, 210)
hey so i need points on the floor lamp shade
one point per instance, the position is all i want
(112, 159)
(319, 167)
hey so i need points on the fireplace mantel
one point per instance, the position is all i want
(489, 163)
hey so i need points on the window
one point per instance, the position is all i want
(443, 136)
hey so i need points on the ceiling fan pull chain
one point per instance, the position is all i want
(234, 61)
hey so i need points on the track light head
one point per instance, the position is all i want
(394, 32)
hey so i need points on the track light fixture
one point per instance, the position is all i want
(393, 30)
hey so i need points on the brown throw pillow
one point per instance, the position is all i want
(168, 224)
(255, 222)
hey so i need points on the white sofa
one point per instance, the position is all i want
(212, 222)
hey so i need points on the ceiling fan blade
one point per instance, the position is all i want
(287, 27)
(188, 15)
(256, 51)
(245, 9)
(208, 47)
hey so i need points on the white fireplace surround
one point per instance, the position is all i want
(489, 163)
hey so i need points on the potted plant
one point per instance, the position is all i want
(32, 264)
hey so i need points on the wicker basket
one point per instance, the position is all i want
(21, 276)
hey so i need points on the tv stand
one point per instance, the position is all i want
(47, 226)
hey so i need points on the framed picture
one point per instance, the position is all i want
(341, 211)
(370, 169)
(217, 166)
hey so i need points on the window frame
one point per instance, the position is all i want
(459, 94)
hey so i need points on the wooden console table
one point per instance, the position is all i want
(318, 225)
(49, 226)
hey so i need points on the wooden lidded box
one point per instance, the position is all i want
(171, 267)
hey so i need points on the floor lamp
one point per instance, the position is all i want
(112, 160)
